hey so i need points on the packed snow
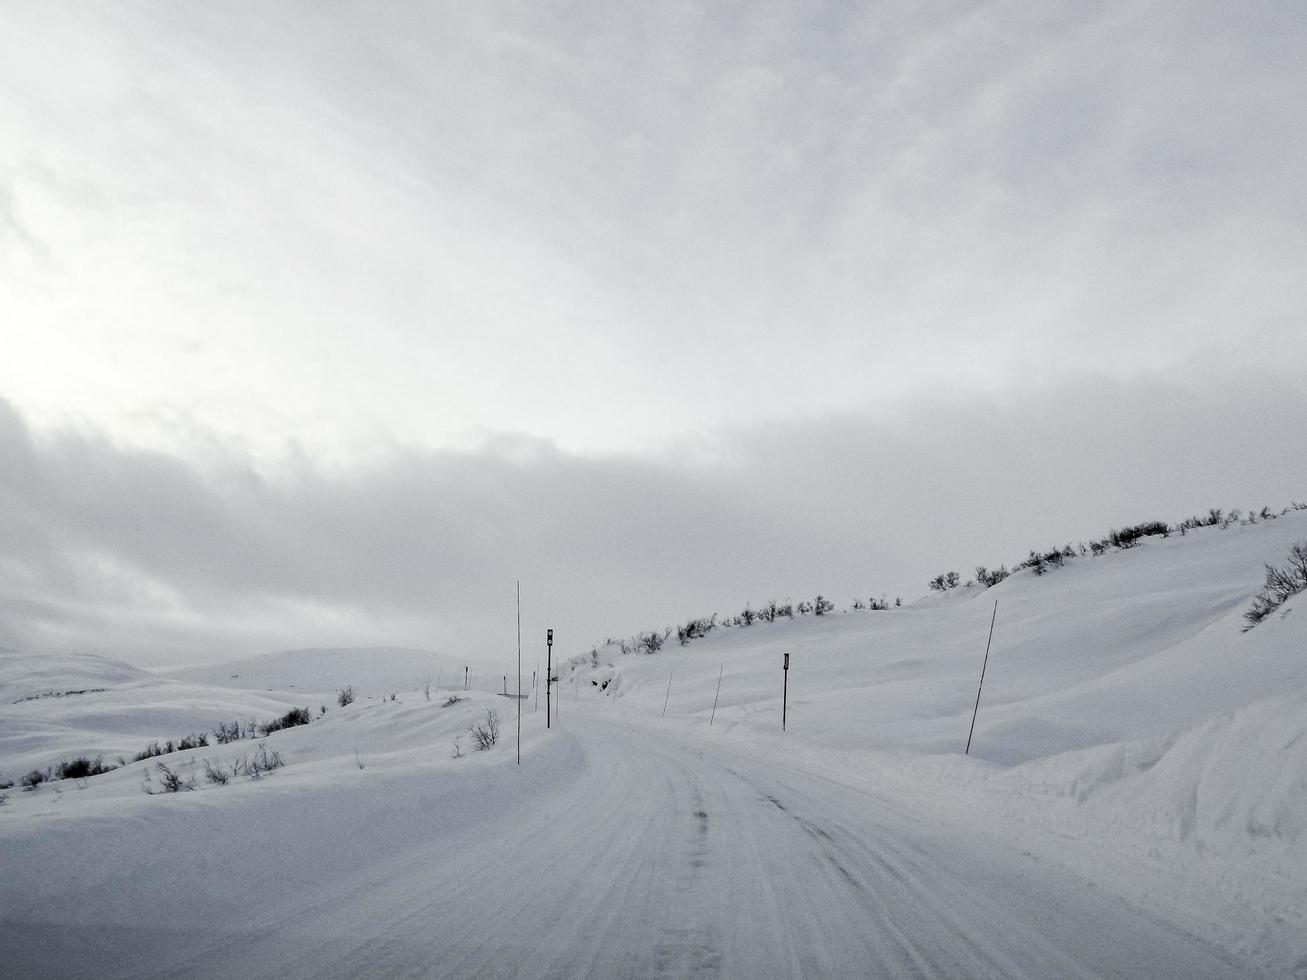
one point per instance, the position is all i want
(1133, 803)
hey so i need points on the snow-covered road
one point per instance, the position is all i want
(635, 851)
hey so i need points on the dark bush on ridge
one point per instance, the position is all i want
(82, 767)
(693, 630)
(945, 581)
(990, 579)
(154, 749)
(292, 718)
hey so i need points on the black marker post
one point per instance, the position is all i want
(785, 689)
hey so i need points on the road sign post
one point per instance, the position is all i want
(549, 670)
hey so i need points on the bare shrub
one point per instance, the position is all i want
(1280, 585)
(216, 774)
(346, 695)
(171, 782)
(458, 748)
(256, 765)
(225, 733)
(693, 630)
(652, 641)
(486, 734)
(990, 579)
(33, 780)
(821, 606)
(265, 761)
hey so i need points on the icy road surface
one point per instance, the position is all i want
(624, 851)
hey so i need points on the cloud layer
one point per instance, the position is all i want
(612, 225)
(157, 558)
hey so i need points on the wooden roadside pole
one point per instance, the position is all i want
(717, 695)
(976, 709)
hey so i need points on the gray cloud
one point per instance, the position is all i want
(154, 557)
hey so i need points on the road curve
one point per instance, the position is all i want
(661, 855)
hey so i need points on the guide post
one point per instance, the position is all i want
(785, 689)
(549, 670)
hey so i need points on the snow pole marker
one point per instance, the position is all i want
(717, 695)
(976, 709)
(549, 670)
(519, 672)
(785, 689)
(669, 692)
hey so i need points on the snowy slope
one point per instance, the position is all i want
(1137, 642)
(1133, 804)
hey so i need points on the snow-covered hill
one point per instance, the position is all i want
(373, 670)
(1131, 736)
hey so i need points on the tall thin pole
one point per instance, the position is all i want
(785, 691)
(669, 692)
(976, 709)
(716, 696)
(519, 672)
(549, 671)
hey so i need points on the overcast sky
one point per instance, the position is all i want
(323, 323)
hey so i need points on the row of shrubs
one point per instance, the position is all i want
(84, 766)
(171, 781)
(701, 626)
(1120, 539)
